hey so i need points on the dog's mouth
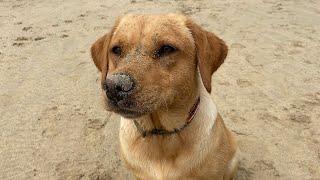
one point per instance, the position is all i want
(126, 108)
(129, 113)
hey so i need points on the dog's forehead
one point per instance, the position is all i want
(135, 26)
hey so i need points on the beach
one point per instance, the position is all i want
(52, 121)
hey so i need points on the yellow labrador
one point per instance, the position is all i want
(156, 73)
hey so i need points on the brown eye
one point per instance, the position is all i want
(165, 50)
(117, 50)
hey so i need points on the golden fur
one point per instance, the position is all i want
(166, 89)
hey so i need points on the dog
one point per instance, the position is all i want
(156, 74)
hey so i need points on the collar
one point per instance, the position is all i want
(156, 131)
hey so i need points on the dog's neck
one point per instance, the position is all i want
(170, 120)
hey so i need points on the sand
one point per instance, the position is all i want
(53, 125)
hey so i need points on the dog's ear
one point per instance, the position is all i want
(99, 51)
(210, 52)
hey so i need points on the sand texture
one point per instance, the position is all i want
(52, 123)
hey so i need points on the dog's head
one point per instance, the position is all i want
(150, 62)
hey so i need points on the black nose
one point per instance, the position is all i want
(119, 86)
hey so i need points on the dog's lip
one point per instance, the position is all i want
(125, 104)
(122, 109)
(129, 113)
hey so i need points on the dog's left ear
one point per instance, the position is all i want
(210, 52)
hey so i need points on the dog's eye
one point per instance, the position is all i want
(164, 50)
(117, 50)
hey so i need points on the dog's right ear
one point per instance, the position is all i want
(99, 51)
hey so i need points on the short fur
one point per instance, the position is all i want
(166, 89)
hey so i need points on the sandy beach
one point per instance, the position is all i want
(52, 122)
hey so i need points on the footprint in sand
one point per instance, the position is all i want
(82, 15)
(300, 118)
(19, 41)
(244, 172)
(22, 38)
(64, 36)
(39, 38)
(243, 83)
(297, 44)
(18, 44)
(95, 124)
(266, 165)
(68, 21)
(237, 46)
(26, 28)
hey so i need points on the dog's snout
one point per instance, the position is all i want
(119, 86)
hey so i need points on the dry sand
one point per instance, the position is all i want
(53, 126)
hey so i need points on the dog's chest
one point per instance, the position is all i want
(156, 161)
(161, 169)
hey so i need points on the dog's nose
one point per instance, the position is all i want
(119, 86)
